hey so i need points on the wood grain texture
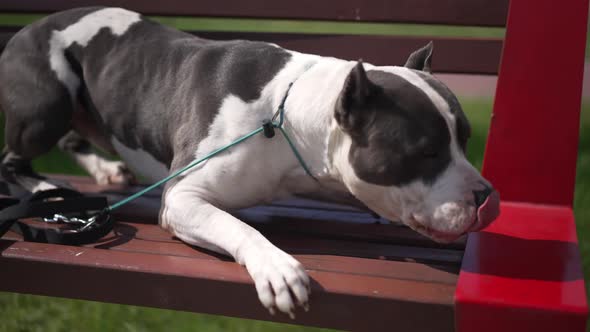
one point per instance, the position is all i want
(454, 12)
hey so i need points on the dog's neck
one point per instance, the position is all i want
(309, 119)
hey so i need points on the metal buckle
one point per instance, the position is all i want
(61, 219)
(88, 223)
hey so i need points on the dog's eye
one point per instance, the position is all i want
(430, 154)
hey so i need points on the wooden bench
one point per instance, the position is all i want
(522, 273)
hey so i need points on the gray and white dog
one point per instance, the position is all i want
(392, 136)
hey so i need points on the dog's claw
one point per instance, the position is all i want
(281, 281)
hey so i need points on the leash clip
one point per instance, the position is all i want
(91, 221)
(61, 219)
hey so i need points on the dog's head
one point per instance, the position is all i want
(401, 137)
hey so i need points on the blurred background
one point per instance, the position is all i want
(476, 93)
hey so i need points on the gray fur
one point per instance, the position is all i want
(153, 88)
(463, 126)
(398, 135)
(421, 59)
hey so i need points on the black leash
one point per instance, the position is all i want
(66, 210)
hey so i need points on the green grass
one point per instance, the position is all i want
(28, 313)
(312, 27)
(582, 196)
(35, 313)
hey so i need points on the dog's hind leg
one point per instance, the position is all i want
(20, 178)
(38, 111)
(104, 171)
(32, 128)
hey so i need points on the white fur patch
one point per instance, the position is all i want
(141, 162)
(244, 164)
(34, 185)
(118, 20)
(102, 170)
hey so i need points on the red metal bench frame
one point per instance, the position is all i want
(524, 271)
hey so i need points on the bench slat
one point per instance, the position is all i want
(145, 211)
(455, 12)
(321, 219)
(452, 55)
(295, 243)
(181, 283)
(312, 252)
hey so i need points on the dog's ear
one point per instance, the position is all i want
(421, 59)
(350, 108)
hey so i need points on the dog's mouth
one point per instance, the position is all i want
(436, 235)
(484, 215)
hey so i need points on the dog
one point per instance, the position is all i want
(392, 136)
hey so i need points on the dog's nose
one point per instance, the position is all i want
(481, 195)
(487, 202)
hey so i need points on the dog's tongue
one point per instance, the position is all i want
(488, 211)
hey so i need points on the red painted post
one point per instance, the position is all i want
(533, 142)
(523, 273)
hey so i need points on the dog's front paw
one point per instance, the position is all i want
(281, 281)
(113, 172)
